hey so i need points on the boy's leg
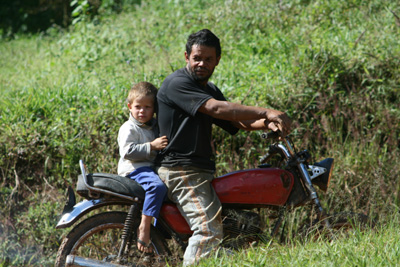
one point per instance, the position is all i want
(155, 193)
(155, 190)
(143, 234)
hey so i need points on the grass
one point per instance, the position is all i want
(359, 248)
(333, 66)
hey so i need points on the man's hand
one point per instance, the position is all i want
(277, 120)
(159, 143)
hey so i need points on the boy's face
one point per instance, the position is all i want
(142, 108)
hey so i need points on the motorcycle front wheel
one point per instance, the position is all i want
(98, 239)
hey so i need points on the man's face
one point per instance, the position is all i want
(201, 62)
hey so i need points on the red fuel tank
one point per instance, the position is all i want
(269, 186)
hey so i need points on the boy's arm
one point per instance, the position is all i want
(159, 143)
(136, 152)
(129, 148)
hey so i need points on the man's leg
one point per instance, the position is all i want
(190, 188)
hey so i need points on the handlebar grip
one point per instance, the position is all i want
(271, 135)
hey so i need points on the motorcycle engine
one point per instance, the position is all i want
(241, 228)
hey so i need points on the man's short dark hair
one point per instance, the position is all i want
(203, 37)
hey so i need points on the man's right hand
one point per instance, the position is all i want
(278, 120)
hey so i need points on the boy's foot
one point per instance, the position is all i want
(144, 247)
(143, 241)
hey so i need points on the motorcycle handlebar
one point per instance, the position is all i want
(287, 144)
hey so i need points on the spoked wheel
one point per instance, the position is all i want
(340, 224)
(98, 239)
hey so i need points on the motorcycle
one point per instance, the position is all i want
(112, 210)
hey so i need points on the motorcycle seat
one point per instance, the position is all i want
(110, 182)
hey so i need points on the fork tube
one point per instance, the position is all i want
(289, 153)
(313, 193)
(289, 147)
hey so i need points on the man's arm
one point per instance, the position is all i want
(247, 117)
(251, 125)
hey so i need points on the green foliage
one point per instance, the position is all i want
(81, 9)
(31, 217)
(32, 16)
(361, 248)
(85, 10)
(333, 66)
(27, 16)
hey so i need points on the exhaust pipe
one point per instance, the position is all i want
(73, 260)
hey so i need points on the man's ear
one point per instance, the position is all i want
(218, 59)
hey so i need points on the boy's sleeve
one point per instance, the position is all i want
(137, 152)
(129, 148)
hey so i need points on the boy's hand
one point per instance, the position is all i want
(159, 143)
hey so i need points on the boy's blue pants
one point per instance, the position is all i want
(155, 189)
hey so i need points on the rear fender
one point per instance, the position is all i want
(82, 208)
(77, 211)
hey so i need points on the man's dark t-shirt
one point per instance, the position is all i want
(188, 131)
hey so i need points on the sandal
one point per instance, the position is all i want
(145, 245)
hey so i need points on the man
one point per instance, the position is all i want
(188, 106)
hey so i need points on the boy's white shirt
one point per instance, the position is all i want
(134, 145)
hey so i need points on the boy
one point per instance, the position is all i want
(137, 148)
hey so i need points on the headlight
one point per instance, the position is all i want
(322, 181)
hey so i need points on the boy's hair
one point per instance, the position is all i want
(203, 37)
(141, 89)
